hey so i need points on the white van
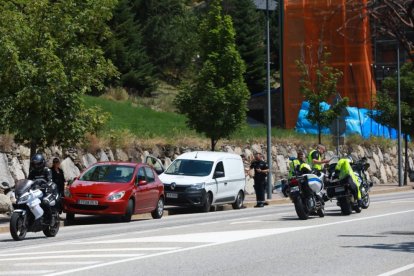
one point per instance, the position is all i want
(204, 179)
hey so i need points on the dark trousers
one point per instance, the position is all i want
(259, 188)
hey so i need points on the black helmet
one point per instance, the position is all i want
(38, 162)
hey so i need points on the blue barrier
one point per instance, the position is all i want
(357, 122)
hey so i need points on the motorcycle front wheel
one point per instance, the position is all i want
(18, 229)
(365, 201)
(301, 209)
(53, 229)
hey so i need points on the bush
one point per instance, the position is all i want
(116, 94)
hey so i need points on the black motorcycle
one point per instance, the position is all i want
(360, 168)
(341, 191)
(305, 195)
(35, 209)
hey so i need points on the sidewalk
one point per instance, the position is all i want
(249, 202)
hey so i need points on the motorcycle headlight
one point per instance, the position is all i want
(199, 185)
(23, 198)
(67, 193)
(116, 196)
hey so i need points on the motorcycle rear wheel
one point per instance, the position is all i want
(17, 228)
(345, 204)
(52, 230)
(301, 210)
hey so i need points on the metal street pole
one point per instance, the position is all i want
(269, 106)
(400, 176)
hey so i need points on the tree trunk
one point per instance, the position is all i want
(406, 165)
(213, 144)
(33, 151)
(319, 134)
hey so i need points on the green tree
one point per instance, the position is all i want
(216, 103)
(50, 57)
(386, 106)
(169, 28)
(249, 26)
(318, 84)
(127, 51)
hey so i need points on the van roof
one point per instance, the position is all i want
(207, 155)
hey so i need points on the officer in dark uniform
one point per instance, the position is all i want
(57, 176)
(260, 173)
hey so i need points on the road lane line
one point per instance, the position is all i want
(214, 244)
(57, 263)
(25, 272)
(90, 250)
(85, 256)
(398, 270)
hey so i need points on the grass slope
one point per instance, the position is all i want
(146, 123)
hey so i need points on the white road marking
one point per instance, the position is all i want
(401, 201)
(252, 235)
(85, 256)
(248, 221)
(90, 250)
(398, 270)
(56, 263)
(25, 272)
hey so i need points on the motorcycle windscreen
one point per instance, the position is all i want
(22, 186)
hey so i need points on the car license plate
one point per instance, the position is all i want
(172, 195)
(88, 202)
(339, 189)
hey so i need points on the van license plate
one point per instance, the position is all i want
(339, 189)
(88, 202)
(172, 195)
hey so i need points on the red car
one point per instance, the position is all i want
(114, 188)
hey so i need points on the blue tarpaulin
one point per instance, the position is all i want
(357, 122)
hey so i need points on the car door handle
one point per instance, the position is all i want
(225, 183)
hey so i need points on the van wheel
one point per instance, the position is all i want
(207, 203)
(238, 204)
(129, 211)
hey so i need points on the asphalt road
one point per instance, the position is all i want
(268, 241)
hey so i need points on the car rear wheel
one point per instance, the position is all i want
(238, 204)
(159, 210)
(129, 211)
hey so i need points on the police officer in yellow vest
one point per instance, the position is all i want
(294, 166)
(346, 175)
(315, 158)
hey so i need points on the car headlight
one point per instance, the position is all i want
(116, 196)
(199, 185)
(67, 193)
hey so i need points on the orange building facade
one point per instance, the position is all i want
(307, 24)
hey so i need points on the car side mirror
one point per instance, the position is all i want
(142, 182)
(218, 174)
(159, 171)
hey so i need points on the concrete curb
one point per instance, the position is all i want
(247, 204)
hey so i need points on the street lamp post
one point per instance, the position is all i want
(269, 106)
(400, 176)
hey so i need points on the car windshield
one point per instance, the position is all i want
(109, 173)
(190, 167)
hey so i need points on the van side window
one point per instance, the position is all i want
(219, 168)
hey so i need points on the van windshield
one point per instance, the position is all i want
(190, 167)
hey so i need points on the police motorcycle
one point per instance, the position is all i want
(360, 168)
(305, 191)
(341, 191)
(35, 210)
